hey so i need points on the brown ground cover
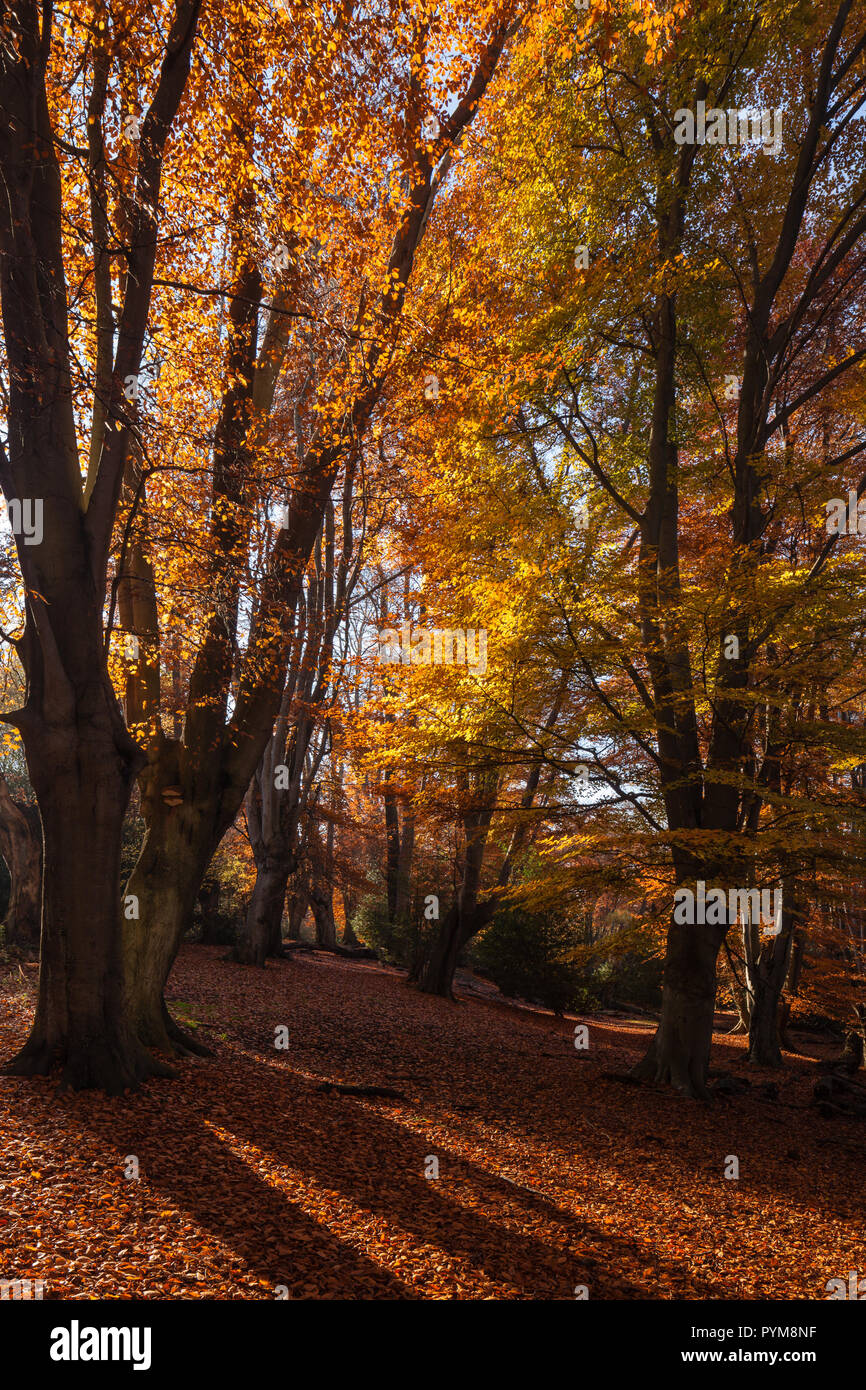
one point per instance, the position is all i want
(552, 1174)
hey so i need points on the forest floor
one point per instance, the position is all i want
(255, 1184)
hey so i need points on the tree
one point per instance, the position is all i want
(618, 392)
(233, 698)
(281, 788)
(21, 847)
(80, 756)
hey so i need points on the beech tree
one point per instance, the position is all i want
(543, 323)
(194, 785)
(677, 364)
(280, 793)
(81, 758)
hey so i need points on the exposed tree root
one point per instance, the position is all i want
(672, 1072)
(183, 1042)
(88, 1066)
(34, 1059)
(165, 1036)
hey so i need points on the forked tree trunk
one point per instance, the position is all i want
(767, 963)
(679, 1053)
(435, 961)
(21, 847)
(438, 956)
(261, 931)
(322, 903)
(227, 727)
(298, 902)
(81, 758)
(434, 972)
(349, 908)
(82, 1020)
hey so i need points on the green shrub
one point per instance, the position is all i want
(543, 959)
(630, 979)
(393, 942)
(526, 954)
(217, 929)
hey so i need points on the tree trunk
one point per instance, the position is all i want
(226, 726)
(209, 906)
(853, 1049)
(764, 1045)
(298, 903)
(262, 925)
(80, 755)
(162, 889)
(21, 847)
(82, 1020)
(350, 904)
(404, 869)
(435, 972)
(438, 957)
(322, 903)
(679, 1053)
(392, 846)
(741, 1003)
(766, 972)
